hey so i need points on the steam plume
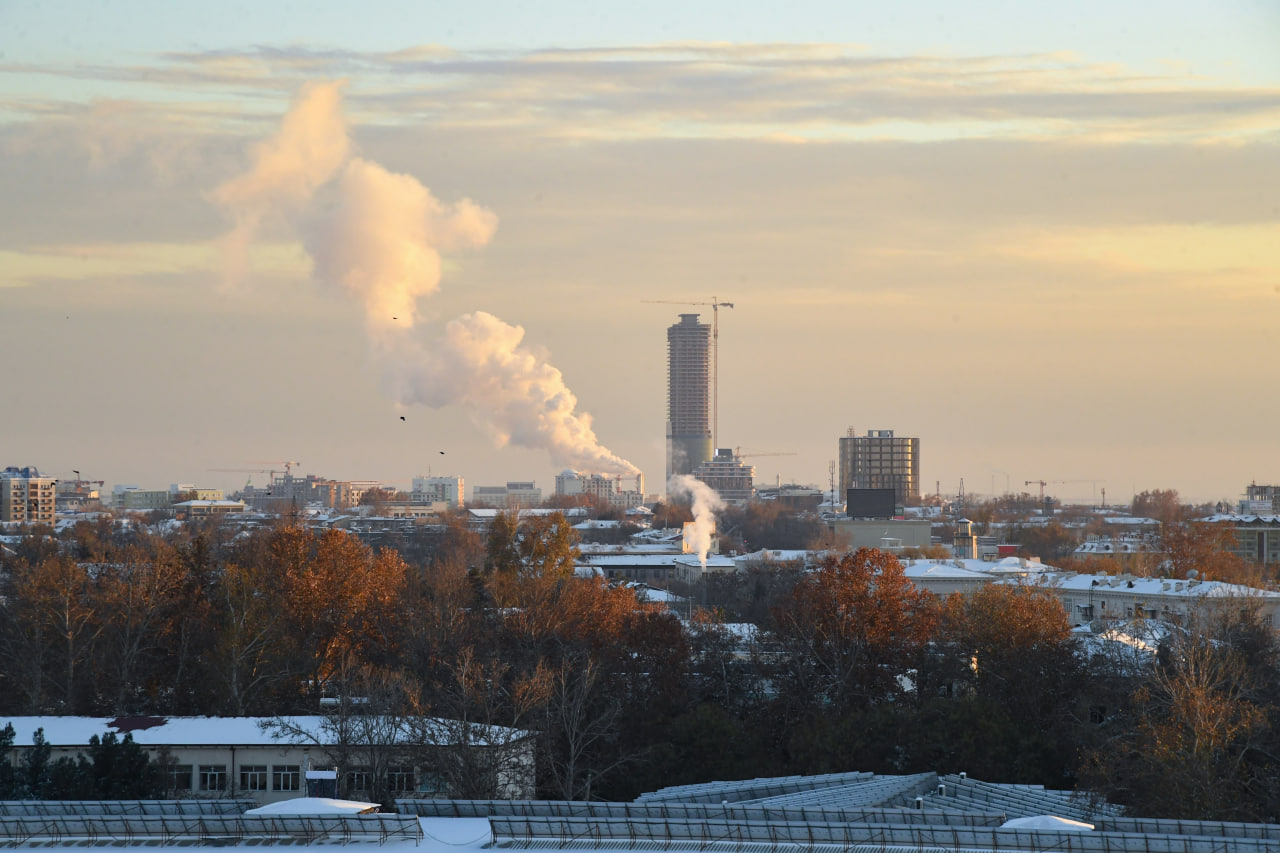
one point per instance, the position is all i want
(706, 502)
(380, 242)
(303, 155)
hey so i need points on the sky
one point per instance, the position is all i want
(1046, 241)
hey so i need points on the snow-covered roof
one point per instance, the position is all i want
(918, 570)
(778, 555)
(1155, 586)
(314, 806)
(489, 513)
(1045, 821)
(1017, 565)
(653, 560)
(630, 548)
(659, 596)
(1234, 518)
(598, 524)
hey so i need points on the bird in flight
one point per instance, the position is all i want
(402, 417)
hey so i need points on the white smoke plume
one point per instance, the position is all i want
(706, 503)
(380, 242)
(515, 394)
(302, 156)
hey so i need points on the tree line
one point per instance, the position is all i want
(781, 671)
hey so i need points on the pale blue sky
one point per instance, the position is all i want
(1235, 37)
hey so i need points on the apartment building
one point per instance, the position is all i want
(26, 497)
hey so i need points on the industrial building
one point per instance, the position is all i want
(688, 395)
(881, 460)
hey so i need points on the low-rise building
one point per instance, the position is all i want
(206, 508)
(1110, 597)
(890, 535)
(516, 494)
(1257, 536)
(250, 758)
(653, 568)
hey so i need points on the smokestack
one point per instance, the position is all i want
(380, 242)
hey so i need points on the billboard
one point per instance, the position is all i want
(870, 503)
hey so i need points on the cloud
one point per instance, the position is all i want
(748, 90)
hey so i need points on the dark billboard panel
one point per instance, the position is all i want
(869, 503)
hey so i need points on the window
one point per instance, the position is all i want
(178, 777)
(358, 780)
(286, 777)
(253, 777)
(433, 783)
(400, 780)
(213, 777)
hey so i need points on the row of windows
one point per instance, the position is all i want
(399, 780)
(253, 777)
(283, 777)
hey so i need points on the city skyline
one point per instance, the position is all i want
(1046, 244)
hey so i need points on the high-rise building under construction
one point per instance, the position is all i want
(881, 460)
(688, 395)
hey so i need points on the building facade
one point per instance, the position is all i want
(688, 395)
(447, 490)
(519, 494)
(881, 460)
(1262, 499)
(602, 489)
(26, 497)
(733, 479)
(246, 758)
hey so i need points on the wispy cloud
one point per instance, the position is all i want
(816, 92)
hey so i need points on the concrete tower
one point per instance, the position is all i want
(688, 395)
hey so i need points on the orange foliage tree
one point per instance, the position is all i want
(853, 631)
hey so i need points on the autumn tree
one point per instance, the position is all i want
(53, 617)
(1192, 742)
(1015, 645)
(1208, 549)
(143, 593)
(1048, 542)
(1163, 505)
(851, 631)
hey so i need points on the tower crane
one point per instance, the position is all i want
(288, 466)
(737, 451)
(271, 471)
(1043, 483)
(715, 304)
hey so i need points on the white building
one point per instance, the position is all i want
(237, 757)
(514, 495)
(448, 490)
(608, 490)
